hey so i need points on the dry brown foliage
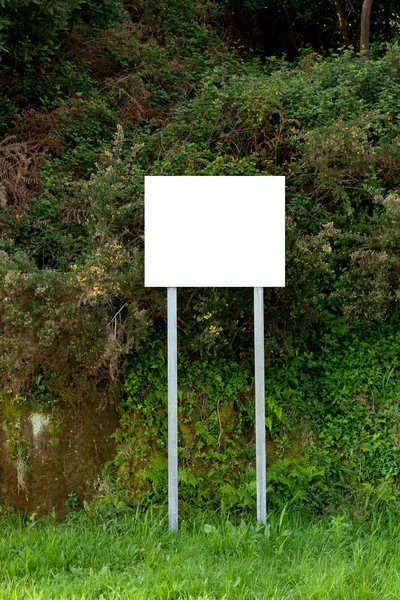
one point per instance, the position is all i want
(307, 63)
(40, 130)
(134, 96)
(19, 173)
(20, 161)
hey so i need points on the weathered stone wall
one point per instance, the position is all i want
(57, 453)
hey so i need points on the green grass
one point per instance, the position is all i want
(134, 556)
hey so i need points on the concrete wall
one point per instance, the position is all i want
(45, 456)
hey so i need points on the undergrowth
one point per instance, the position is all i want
(93, 100)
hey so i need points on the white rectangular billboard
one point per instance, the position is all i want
(222, 231)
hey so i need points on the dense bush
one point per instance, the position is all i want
(159, 95)
(34, 31)
(332, 423)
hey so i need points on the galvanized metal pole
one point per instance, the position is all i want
(261, 464)
(172, 411)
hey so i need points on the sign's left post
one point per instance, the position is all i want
(172, 410)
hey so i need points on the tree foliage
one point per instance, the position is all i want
(288, 26)
(87, 114)
(34, 30)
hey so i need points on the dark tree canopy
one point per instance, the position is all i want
(287, 26)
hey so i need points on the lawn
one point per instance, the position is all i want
(134, 555)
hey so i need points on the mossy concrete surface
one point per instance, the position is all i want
(57, 453)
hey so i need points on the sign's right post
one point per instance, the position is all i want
(259, 365)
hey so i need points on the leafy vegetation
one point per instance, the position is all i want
(332, 423)
(94, 96)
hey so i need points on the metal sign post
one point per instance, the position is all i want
(172, 412)
(188, 249)
(261, 464)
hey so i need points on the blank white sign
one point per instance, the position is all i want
(214, 231)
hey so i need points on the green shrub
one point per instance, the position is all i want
(34, 31)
